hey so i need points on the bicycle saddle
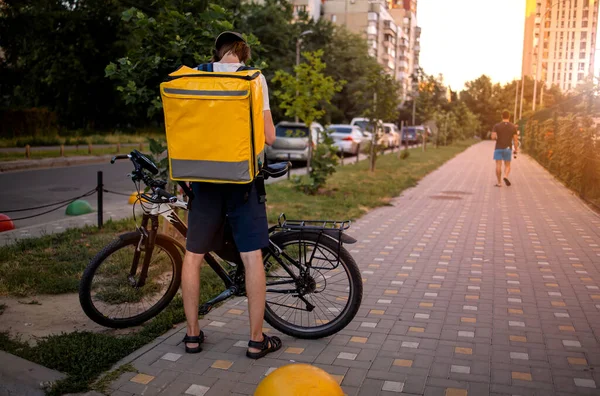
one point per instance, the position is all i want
(276, 170)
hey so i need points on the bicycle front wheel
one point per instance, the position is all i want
(314, 287)
(109, 293)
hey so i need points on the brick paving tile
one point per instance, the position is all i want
(469, 290)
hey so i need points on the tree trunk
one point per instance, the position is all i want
(373, 152)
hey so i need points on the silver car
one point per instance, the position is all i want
(291, 141)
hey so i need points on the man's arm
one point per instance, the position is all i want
(269, 128)
(494, 134)
(516, 142)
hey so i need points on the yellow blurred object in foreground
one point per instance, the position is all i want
(299, 380)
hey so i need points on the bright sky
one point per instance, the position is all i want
(463, 39)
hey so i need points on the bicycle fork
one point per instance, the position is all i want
(145, 244)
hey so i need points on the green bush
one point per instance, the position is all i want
(28, 123)
(322, 166)
(569, 148)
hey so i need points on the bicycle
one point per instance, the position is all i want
(314, 287)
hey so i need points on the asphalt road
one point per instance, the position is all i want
(67, 148)
(30, 188)
(36, 187)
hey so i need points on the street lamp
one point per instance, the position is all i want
(539, 49)
(298, 43)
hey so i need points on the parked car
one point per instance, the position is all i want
(393, 134)
(410, 134)
(347, 138)
(367, 126)
(292, 141)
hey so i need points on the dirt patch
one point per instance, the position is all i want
(51, 314)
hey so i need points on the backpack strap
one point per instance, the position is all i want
(206, 67)
(244, 67)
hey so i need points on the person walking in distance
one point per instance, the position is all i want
(504, 133)
(218, 206)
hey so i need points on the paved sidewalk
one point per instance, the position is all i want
(468, 289)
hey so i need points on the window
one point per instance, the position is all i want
(573, 45)
(562, 24)
(580, 77)
(583, 35)
(573, 36)
(299, 9)
(585, 13)
(584, 24)
(583, 45)
(563, 14)
(572, 55)
(562, 35)
(559, 66)
(581, 66)
(575, 12)
(570, 66)
(582, 55)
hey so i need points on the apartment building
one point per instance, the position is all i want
(311, 7)
(390, 28)
(561, 35)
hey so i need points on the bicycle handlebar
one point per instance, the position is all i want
(119, 157)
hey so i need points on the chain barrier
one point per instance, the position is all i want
(61, 204)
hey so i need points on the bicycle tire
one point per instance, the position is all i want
(124, 241)
(354, 301)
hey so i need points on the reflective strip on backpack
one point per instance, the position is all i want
(210, 170)
(195, 92)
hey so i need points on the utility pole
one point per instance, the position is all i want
(298, 43)
(522, 91)
(516, 101)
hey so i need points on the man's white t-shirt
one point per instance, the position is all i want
(231, 67)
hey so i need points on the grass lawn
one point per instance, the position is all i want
(54, 263)
(82, 151)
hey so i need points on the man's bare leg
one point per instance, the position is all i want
(506, 168)
(499, 173)
(256, 290)
(190, 291)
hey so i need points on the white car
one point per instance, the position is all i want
(367, 126)
(347, 138)
(392, 133)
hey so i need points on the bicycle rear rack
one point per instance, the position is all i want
(330, 228)
(341, 226)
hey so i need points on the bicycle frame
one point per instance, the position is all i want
(151, 213)
(234, 284)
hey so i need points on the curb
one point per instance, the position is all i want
(22, 377)
(12, 166)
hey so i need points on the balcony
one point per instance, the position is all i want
(390, 28)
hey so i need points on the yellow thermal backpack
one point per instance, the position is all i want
(215, 126)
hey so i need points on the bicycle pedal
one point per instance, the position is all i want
(205, 309)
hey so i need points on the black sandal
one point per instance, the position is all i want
(507, 182)
(266, 346)
(199, 339)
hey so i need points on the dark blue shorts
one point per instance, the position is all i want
(503, 154)
(216, 206)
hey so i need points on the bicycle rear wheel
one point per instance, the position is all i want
(109, 295)
(327, 291)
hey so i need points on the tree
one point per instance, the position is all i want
(305, 93)
(383, 100)
(54, 56)
(163, 43)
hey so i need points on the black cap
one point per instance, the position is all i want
(228, 37)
